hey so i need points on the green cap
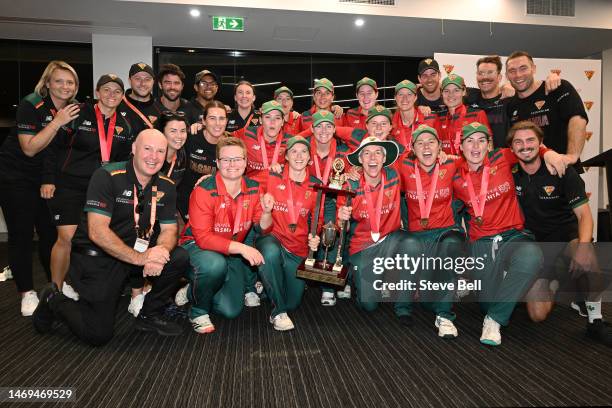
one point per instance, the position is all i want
(295, 140)
(453, 79)
(281, 90)
(270, 106)
(391, 149)
(323, 83)
(321, 116)
(423, 129)
(366, 81)
(474, 127)
(379, 110)
(406, 84)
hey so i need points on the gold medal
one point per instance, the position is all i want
(292, 227)
(424, 222)
(478, 220)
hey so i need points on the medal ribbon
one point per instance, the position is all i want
(330, 159)
(138, 112)
(106, 144)
(374, 214)
(478, 204)
(294, 209)
(171, 166)
(153, 210)
(235, 217)
(264, 151)
(456, 132)
(425, 207)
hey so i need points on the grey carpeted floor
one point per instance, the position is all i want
(336, 357)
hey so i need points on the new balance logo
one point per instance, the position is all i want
(87, 123)
(127, 193)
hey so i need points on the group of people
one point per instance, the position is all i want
(213, 207)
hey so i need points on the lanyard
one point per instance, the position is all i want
(264, 151)
(138, 112)
(375, 213)
(106, 141)
(330, 159)
(478, 204)
(153, 210)
(425, 207)
(171, 166)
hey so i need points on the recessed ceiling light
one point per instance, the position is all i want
(190, 50)
(194, 13)
(359, 22)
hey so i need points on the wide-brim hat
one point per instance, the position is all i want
(391, 150)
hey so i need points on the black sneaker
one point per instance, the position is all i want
(600, 331)
(157, 324)
(43, 316)
(406, 320)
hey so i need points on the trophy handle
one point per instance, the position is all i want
(341, 237)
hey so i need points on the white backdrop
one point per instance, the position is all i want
(584, 75)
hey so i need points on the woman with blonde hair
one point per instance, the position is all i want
(25, 183)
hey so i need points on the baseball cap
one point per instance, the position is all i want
(271, 106)
(474, 127)
(366, 81)
(295, 140)
(321, 116)
(323, 83)
(106, 78)
(453, 79)
(428, 63)
(378, 110)
(282, 89)
(141, 67)
(203, 73)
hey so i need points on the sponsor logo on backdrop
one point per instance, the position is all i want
(589, 135)
(448, 68)
(589, 74)
(588, 105)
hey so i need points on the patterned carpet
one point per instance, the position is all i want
(336, 357)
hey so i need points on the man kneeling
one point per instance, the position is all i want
(125, 200)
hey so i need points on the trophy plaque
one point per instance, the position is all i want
(322, 270)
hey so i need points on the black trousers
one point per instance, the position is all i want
(100, 282)
(24, 210)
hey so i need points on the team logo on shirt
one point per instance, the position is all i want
(160, 195)
(254, 120)
(589, 135)
(152, 118)
(127, 193)
(589, 74)
(539, 104)
(256, 147)
(118, 129)
(307, 195)
(49, 118)
(123, 114)
(442, 173)
(448, 68)
(549, 190)
(222, 205)
(389, 193)
(493, 170)
(556, 71)
(245, 205)
(588, 105)
(281, 187)
(86, 123)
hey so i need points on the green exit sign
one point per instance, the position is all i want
(222, 23)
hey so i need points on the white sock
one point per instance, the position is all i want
(593, 310)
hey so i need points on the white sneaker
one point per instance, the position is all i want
(251, 299)
(202, 324)
(463, 292)
(491, 335)
(181, 299)
(259, 288)
(6, 274)
(328, 299)
(29, 301)
(282, 322)
(344, 293)
(446, 328)
(136, 304)
(69, 292)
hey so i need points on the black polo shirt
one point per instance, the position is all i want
(201, 160)
(436, 106)
(496, 111)
(185, 107)
(33, 114)
(148, 109)
(236, 122)
(79, 156)
(111, 193)
(551, 112)
(548, 202)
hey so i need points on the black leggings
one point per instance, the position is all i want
(24, 210)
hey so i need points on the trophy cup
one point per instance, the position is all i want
(324, 271)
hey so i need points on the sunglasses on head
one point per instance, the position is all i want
(169, 114)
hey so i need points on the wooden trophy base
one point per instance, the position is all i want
(330, 273)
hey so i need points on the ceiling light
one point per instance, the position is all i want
(359, 22)
(190, 50)
(194, 13)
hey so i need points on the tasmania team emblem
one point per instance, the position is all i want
(142, 65)
(160, 195)
(589, 74)
(588, 105)
(442, 173)
(448, 68)
(549, 190)
(589, 135)
(539, 104)
(493, 170)
(556, 71)
(152, 118)
(118, 129)
(588, 195)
